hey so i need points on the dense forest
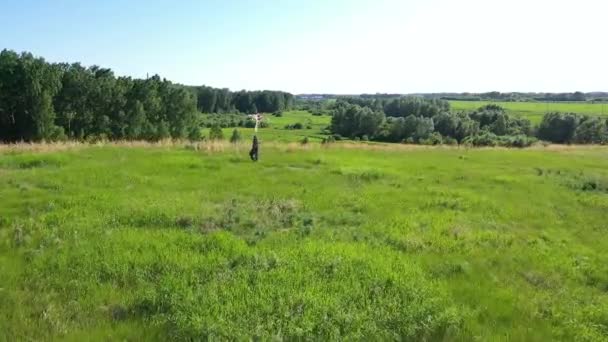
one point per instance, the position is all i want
(430, 121)
(53, 101)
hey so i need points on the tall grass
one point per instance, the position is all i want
(140, 241)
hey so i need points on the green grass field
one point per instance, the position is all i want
(535, 110)
(350, 241)
(277, 132)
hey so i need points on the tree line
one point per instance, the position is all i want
(487, 96)
(53, 101)
(417, 120)
(214, 100)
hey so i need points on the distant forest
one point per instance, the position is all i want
(488, 96)
(54, 101)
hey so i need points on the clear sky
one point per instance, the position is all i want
(331, 46)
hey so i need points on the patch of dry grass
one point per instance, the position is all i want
(221, 146)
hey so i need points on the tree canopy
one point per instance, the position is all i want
(50, 101)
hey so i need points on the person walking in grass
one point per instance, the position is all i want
(253, 154)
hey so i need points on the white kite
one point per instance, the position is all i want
(257, 118)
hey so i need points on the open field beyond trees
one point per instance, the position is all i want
(321, 241)
(534, 111)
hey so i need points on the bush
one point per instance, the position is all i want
(304, 141)
(519, 141)
(215, 133)
(236, 136)
(297, 125)
(450, 141)
(491, 107)
(558, 127)
(433, 139)
(491, 139)
(278, 114)
(195, 134)
(484, 139)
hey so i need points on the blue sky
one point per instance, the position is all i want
(326, 46)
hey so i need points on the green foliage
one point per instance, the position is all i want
(491, 139)
(296, 125)
(195, 134)
(27, 88)
(213, 100)
(215, 133)
(401, 106)
(558, 127)
(355, 121)
(43, 101)
(591, 131)
(433, 139)
(235, 137)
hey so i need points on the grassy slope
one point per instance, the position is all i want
(535, 110)
(109, 242)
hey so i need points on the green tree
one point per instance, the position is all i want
(235, 137)
(591, 131)
(136, 121)
(215, 133)
(558, 127)
(500, 126)
(162, 131)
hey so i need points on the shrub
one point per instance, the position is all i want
(304, 141)
(215, 133)
(296, 125)
(490, 139)
(558, 127)
(236, 136)
(450, 141)
(433, 139)
(195, 134)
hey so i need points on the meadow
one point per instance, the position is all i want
(535, 110)
(313, 127)
(338, 241)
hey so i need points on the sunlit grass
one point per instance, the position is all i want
(386, 241)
